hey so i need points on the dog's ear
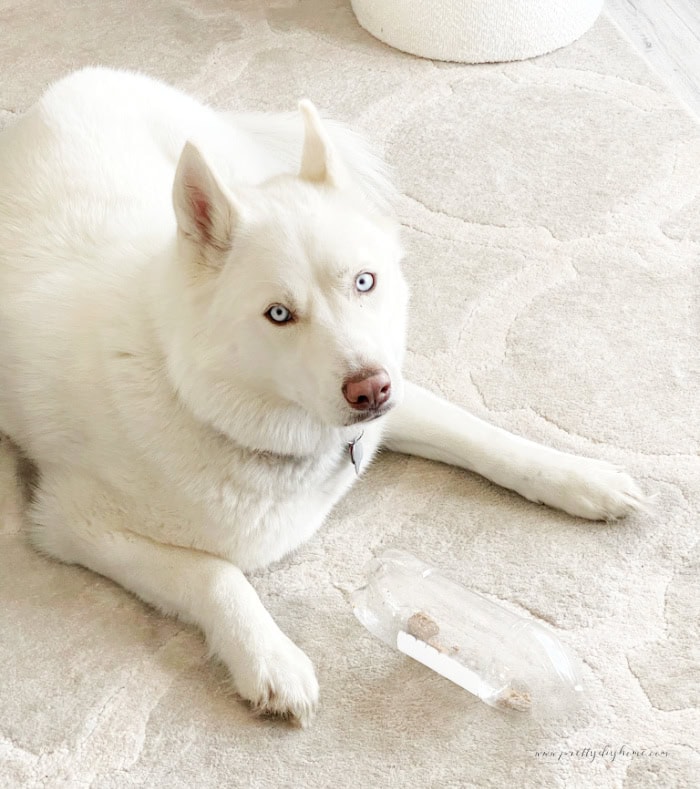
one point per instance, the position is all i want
(205, 212)
(320, 162)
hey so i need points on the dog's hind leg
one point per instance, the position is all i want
(429, 426)
(10, 488)
(76, 520)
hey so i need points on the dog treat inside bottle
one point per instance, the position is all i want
(512, 663)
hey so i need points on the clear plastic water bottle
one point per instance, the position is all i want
(508, 661)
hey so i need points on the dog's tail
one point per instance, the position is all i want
(11, 499)
(283, 133)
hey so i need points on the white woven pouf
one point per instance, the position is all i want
(477, 31)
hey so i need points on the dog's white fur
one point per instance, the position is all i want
(181, 437)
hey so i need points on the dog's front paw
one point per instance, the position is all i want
(279, 680)
(591, 489)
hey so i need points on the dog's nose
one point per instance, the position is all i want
(367, 390)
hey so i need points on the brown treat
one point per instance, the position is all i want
(513, 698)
(435, 644)
(423, 627)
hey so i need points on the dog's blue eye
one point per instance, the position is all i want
(279, 314)
(364, 282)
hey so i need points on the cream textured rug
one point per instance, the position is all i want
(552, 222)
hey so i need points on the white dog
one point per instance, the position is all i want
(199, 386)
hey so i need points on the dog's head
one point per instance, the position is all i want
(295, 302)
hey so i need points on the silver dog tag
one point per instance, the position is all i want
(355, 448)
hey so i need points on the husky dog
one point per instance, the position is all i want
(201, 342)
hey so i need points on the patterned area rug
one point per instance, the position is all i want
(552, 224)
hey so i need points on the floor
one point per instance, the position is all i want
(667, 33)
